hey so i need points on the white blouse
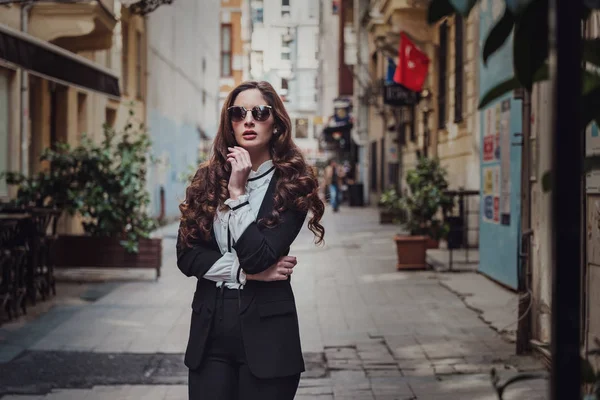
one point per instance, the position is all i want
(238, 215)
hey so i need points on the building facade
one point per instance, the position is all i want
(234, 40)
(442, 121)
(94, 74)
(283, 51)
(184, 57)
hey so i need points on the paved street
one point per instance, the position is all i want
(368, 331)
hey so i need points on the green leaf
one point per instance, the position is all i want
(509, 85)
(530, 43)
(439, 9)
(498, 35)
(590, 107)
(463, 6)
(591, 51)
(547, 181)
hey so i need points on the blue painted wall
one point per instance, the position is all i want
(176, 147)
(499, 224)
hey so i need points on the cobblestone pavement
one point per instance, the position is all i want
(368, 332)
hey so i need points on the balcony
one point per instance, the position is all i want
(75, 26)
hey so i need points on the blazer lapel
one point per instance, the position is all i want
(267, 204)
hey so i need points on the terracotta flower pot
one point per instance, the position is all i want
(432, 243)
(411, 252)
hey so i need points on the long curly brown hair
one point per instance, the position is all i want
(297, 186)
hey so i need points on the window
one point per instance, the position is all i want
(284, 83)
(225, 50)
(203, 64)
(257, 11)
(301, 128)
(110, 117)
(382, 162)
(285, 8)
(204, 97)
(125, 56)
(139, 73)
(81, 114)
(373, 167)
(285, 55)
(442, 58)
(458, 68)
(413, 126)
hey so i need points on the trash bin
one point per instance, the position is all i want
(355, 193)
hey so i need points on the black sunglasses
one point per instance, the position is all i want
(259, 113)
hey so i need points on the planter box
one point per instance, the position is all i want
(411, 252)
(432, 243)
(72, 251)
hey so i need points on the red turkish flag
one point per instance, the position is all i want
(412, 65)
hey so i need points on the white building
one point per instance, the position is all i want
(182, 106)
(283, 51)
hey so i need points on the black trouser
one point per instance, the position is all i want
(224, 373)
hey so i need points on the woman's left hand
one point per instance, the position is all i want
(280, 271)
(241, 166)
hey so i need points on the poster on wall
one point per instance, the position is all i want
(505, 144)
(491, 194)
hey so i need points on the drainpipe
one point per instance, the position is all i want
(25, 98)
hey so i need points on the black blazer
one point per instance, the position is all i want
(268, 309)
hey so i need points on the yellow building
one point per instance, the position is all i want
(235, 39)
(444, 123)
(66, 68)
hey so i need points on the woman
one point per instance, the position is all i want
(242, 211)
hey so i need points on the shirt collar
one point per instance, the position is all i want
(264, 167)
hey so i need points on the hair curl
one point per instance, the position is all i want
(297, 187)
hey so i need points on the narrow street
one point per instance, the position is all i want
(368, 331)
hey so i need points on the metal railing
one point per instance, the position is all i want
(460, 221)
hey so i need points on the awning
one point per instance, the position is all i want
(54, 63)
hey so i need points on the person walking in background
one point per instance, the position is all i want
(332, 180)
(242, 211)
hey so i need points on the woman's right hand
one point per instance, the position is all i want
(239, 158)
(280, 271)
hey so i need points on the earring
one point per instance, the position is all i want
(275, 132)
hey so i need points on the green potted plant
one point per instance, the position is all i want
(423, 204)
(389, 206)
(105, 184)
